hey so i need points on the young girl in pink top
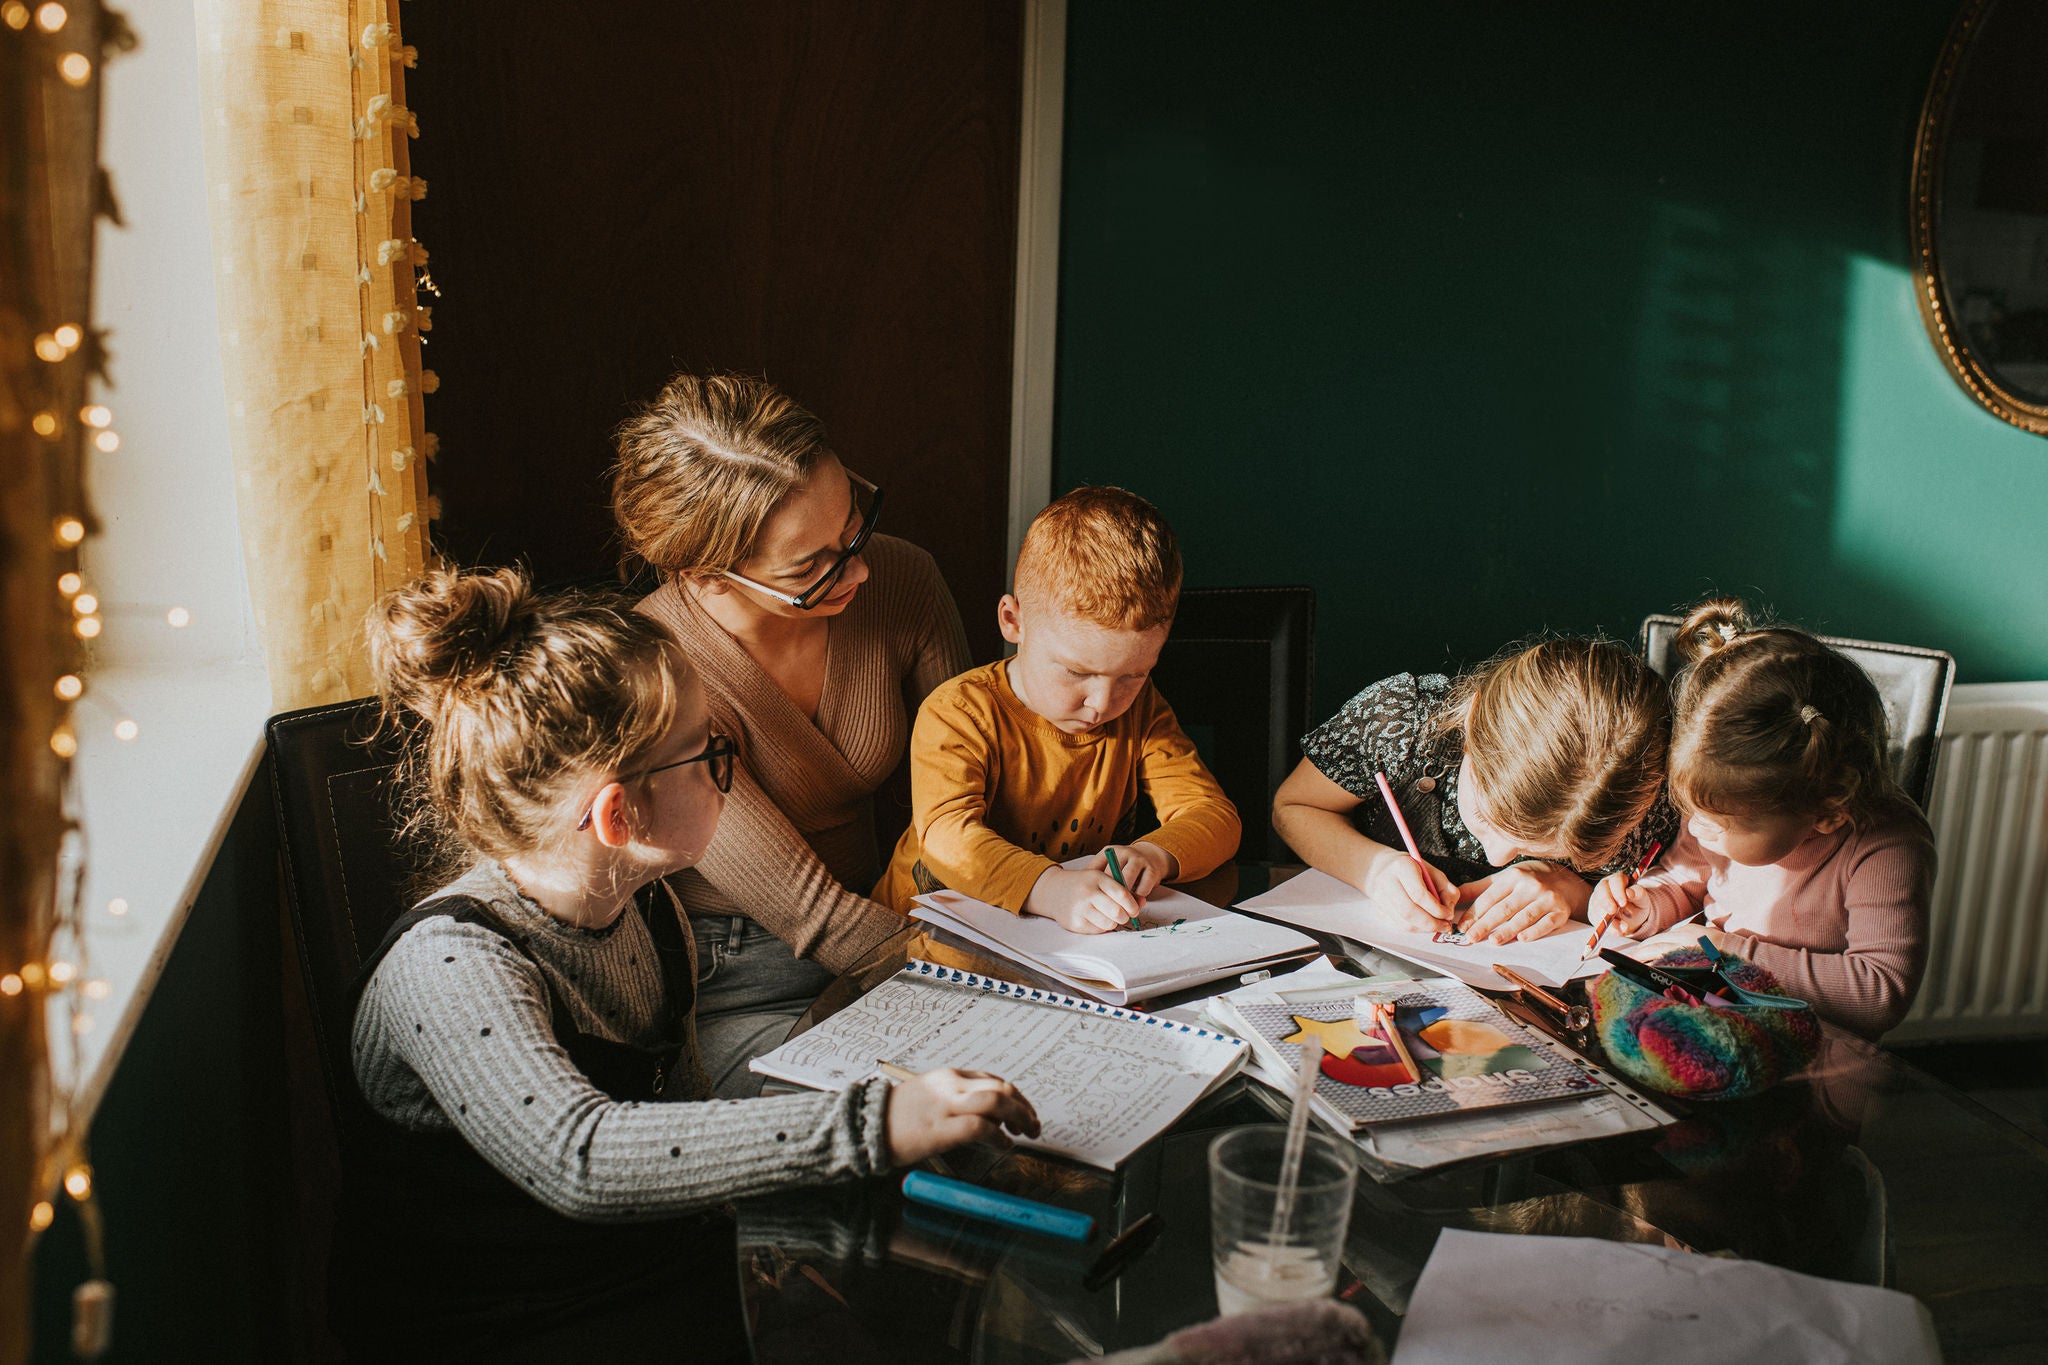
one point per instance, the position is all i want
(1798, 844)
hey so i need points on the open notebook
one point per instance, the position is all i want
(1315, 900)
(1105, 1081)
(1182, 942)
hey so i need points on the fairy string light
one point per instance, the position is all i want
(52, 57)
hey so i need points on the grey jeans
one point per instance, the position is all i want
(750, 989)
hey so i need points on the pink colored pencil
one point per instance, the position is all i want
(1407, 838)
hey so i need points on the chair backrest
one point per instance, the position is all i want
(1912, 682)
(1238, 670)
(346, 867)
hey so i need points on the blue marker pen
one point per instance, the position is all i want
(957, 1196)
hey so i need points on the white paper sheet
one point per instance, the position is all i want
(1577, 1300)
(1104, 1081)
(1184, 942)
(1319, 902)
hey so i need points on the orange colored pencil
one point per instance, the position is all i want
(1385, 1014)
(1642, 866)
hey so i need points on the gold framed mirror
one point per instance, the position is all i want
(1980, 208)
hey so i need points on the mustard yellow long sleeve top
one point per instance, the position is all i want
(998, 794)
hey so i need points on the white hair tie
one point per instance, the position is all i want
(1726, 630)
(1809, 714)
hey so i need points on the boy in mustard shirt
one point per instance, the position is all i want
(1021, 765)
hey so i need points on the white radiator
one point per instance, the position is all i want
(1987, 968)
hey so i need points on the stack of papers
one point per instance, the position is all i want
(1182, 942)
(1392, 1151)
(1469, 1056)
(1578, 1301)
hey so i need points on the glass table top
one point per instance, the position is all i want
(1862, 1169)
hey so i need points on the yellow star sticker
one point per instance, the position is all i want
(1338, 1036)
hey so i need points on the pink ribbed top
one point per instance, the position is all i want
(1841, 922)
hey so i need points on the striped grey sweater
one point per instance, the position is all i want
(454, 1031)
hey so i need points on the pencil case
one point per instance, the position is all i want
(1704, 1051)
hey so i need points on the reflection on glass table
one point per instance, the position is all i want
(1862, 1169)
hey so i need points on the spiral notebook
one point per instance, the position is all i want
(1105, 1079)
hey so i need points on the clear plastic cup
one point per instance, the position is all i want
(1253, 1270)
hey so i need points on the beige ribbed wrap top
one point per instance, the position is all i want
(795, 850)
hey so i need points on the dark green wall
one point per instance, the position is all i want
(1487, 318)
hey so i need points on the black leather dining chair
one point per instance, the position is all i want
(347, 867)
(1238, 671)
(1912, 682)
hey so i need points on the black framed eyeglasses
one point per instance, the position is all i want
(870, 511)
(719, 752)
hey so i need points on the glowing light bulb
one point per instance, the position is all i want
(81, 1023)
(69, 583)
(31, 974)
(96, 415)
(178, 617)
(70, 687)
(88, 627)
(125, 730)
(78, 1181)
(108, 442)
(61, 972)
(68, 336)
(97, 989)
(45, 423)
(10, 984)
(64, 744)
(51, 17)
(41, 1216)
(49, 348)
(118, 906)
(14, 14)
(74, 68)
(70, 530)
(85, 604)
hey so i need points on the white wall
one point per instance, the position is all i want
(166, 497)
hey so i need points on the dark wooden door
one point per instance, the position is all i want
(824, 193)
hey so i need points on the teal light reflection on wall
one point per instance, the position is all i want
(1941, 514)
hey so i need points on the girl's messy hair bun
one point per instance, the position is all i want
(524, 696)
(446, 628)
(1767, 718)
(1714, 624)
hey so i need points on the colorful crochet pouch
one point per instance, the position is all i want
(1703, 1051)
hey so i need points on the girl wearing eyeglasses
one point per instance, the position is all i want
(537, 1181)
(816, 639)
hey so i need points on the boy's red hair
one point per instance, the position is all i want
(1105, 555)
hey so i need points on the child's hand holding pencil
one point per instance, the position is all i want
(1618, 903)
(1410, 886)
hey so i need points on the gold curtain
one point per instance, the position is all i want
(310, 189)
(50, 191)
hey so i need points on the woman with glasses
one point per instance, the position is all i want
(816, 639)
